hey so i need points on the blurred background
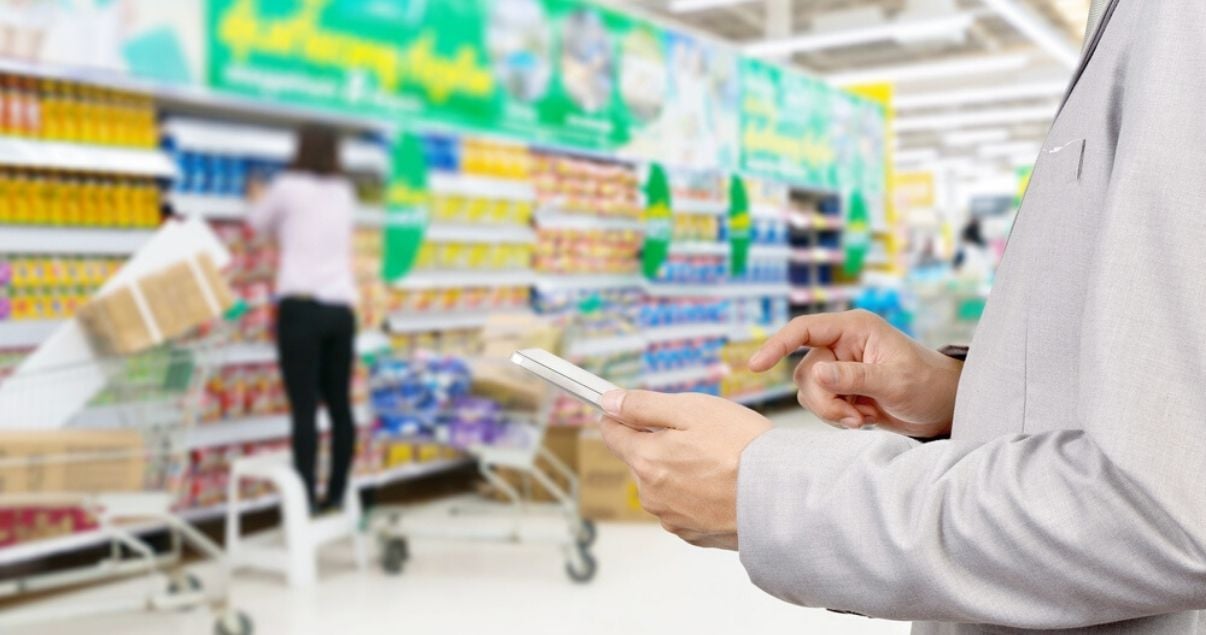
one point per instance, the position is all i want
(648, 188)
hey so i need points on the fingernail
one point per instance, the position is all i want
(757, 357)
(852, 422)
(828, 373)
(613, 401)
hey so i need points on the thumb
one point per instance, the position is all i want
(643, 409)
(854, 378)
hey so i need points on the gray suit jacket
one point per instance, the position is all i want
(1072, 493)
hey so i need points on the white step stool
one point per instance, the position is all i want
(297, 559)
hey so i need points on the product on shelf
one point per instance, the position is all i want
(68, 111)
(73, 200)
(587, 186)
(766, 313)
(473, 256)
(466, 210)
(699, 227)
(27, 524)
(741, 381)
(477, 156)
(247, 390)
(594, 251)
(403, 302)
(660, 313)
(685, 269)
(764, 271)
(687, 353)
(455, 342)
(50, 287)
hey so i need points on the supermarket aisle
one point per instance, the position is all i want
(648, 582)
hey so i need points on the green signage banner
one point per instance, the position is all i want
(659, 222)
(406, 205)
(739, 226)
(562, 72)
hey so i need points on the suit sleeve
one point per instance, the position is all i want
(1103, 522)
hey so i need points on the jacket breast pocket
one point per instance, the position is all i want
(1062, 162)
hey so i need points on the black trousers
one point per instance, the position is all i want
(315, 346)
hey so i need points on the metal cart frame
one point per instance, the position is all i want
(158, 400)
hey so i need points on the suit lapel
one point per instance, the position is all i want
(1089, 50)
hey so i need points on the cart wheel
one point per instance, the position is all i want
(397, 552)
(189, 583)
(237, 623)
(587, 533)
(582, 568)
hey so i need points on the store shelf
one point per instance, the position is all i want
(402, 473)
(764, 210)
(482, 233)
(751, 332)
(626, 343)
(552, 219)
(26, 333)
(413, 471)
(79, 157)
(683, 375)
(817, 221)
(768, 252)
(265, 142)
(808, 295)
(15, 239)
(700, 207)
(475, 186)
(258, 428)
(817, 255)
(451, 279)
(569, 282)
(700, 248)
(763, 396)
(733, 290)
(404, 322)
(33, 549)
(685, 332)
(212, 207)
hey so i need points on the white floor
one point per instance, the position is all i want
(648, 582)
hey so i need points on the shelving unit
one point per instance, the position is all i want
(79, 157)
(682, 375)
(20, 239)
(475, 186)
(467, 278)
(26, 333)
(481, 233)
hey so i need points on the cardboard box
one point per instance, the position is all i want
(70, 461)
(607, 490)
(160, 306)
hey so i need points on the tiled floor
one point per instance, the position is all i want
(648, 582)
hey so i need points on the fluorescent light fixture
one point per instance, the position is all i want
(950, 121)
(687, 6)
(979, 96)
(1037, 29)
(914, 29)
(920, 155)
(974, 137)
(1012, 149)
(980, 65)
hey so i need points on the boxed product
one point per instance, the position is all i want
(36, 461)
(495, 377)
(606, 488)
(157, 307)
(23, 524)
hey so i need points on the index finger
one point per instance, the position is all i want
(823, 330)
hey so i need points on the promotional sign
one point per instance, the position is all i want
(659, 224)
(739, 226)
(406, 199)
(787, 129)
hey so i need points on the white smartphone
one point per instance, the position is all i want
(584, 385)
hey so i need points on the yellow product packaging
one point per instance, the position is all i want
(478, 210)
(428, 452)
(399, 453)
(6, 210)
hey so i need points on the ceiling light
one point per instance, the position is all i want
(1037, 28)
(915, 29)
(919, 155)
(687, 6)
(953, 120)
(973, 137)
(979, 96)
(1011, 149)
(931, 70)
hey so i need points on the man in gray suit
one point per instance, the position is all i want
(1061, 482)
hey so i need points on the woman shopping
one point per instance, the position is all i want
(308, 209)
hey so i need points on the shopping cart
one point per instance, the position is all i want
(517, 518)
(130, 484)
